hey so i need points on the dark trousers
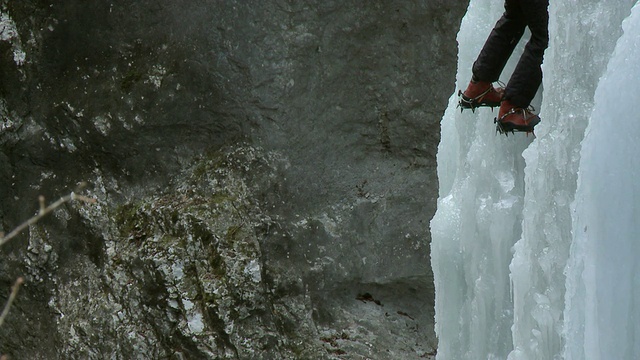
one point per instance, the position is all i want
(504, 37)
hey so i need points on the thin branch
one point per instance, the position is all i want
(12, 297)
(43, 212)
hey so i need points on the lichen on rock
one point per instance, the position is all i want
(9, 33)
(183, 270)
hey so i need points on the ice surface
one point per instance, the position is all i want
(511, 260)
(603, 276)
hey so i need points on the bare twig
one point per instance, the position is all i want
(12, 297)
(43, 212)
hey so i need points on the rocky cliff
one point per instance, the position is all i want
(264, 174)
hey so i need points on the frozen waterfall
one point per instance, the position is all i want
(535, 246)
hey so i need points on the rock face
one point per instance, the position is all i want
(264, 170)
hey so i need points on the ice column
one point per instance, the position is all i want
(603, 276)
(583, 34)
(479, 214)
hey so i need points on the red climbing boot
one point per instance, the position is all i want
(512, 118)
(480, 93)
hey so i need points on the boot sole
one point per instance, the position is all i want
(506, 128)
(468, 103)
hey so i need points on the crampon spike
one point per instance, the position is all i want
(507, 128)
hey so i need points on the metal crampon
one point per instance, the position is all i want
(508, 127)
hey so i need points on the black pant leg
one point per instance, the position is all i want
(500, 44)
(527, 76)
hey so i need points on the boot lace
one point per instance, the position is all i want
(489, 89)
(526, 113)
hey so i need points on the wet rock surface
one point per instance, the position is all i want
(264, 174)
